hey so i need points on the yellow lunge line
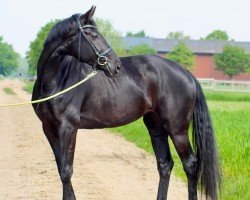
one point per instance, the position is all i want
(54, 95)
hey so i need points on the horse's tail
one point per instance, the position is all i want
(205, 146)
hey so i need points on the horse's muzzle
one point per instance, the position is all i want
(118, 67)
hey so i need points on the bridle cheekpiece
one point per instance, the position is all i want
(102, 59)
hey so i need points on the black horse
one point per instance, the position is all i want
(165, 94)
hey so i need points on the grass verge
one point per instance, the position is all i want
(28, 87)
(227, 96)
(9, 91)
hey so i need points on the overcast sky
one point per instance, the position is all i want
(20, 20)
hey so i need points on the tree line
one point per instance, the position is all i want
(8, 58)
(232, 61)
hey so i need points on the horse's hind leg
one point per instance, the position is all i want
(161, 148)
(62, 140)
(189, 160)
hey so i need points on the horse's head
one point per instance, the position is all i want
(78, 36)
(89, 46)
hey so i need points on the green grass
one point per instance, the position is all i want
(232, 127)
(28, 87)
(227, 96)
(9, 91)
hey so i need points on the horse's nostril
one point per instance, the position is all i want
(118, 66)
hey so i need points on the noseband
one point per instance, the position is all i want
(102, 59)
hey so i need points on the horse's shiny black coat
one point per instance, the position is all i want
(166, 95)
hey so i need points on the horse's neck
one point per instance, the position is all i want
(46, 74)
(46, 54)
(53, 65)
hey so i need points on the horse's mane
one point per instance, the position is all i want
(61, 29)
(55, 38)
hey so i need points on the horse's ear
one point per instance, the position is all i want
(89, 14)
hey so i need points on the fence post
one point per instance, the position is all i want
(213, 84)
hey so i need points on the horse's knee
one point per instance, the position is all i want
(165, 168)
(66, 174)
(191, 166)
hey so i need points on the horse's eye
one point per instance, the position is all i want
(94, 34)
(87, 31)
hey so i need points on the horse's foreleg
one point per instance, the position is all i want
(162, 152)
(67, 140)
(62, 141)
(52, 136)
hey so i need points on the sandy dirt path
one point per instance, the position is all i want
(106, 166)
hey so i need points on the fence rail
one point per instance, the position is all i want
(221, 85)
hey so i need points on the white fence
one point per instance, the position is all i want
(238, 86)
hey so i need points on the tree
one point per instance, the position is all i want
(248, 65)
(138, 34)
(178, 35)
(141, 49)
(112, 35)
(183, 55)
(233, 60)
(36, 46)
(8, 58)
(217, 35)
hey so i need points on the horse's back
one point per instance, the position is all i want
(170, 76)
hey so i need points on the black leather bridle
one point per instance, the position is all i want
(102, 59)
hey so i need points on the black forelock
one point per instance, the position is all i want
(61, 29)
